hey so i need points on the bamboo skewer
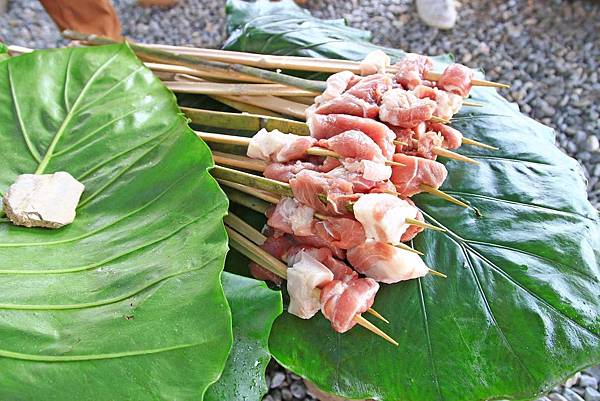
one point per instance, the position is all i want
(236, 89)
(244, 121)
(195, 62)
(260, 256)
(468, 141)
(443, 152)
(443, 195)
(243, 141)
(292, 62)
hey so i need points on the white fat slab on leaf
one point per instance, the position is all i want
(45, 200)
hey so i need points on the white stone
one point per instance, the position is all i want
(437, 13)
(46, 200)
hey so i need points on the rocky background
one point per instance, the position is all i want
(549, 50)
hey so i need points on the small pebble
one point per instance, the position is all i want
(570, 395)
(556, 397)
(277, 379)
(591, 394)
(587, 380)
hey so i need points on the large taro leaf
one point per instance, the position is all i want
(254, 307)
(126, 303)
(520, 309)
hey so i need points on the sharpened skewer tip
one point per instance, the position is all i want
(377, 315)
(374, 329)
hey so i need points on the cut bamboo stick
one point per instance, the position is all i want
(240, 198)
(443, 195)
(193, 61)
(244, 228)
(468, 141)
(231, 160)
(244, 121)
(257, 193)
(252, 180)
(453, 155)
(236, 89)
(278, 105)
(204, 73)
(245, 107)
(291, 62)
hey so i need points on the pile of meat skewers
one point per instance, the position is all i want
(342, 212)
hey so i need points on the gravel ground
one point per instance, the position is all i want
(548, 50)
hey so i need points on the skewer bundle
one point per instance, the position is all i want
(341, 182)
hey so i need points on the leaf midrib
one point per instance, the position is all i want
(461, 242)
(70, 113)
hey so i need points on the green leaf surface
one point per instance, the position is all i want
(520, 310)
(3, 52)
(254, 307)
(126, 303)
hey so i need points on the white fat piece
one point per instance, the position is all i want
(375, 62)
(303, 281)
(383, 216)
(44, 200)
(370, 170)
(298, 216)
(265, 145)
(401, 266)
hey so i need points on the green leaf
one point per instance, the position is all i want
(3, 52)
(520, 310)
(125, 303)
(254, 307)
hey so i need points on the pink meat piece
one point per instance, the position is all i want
(386, 187)
(354, 144)
(260, 273)
(386, 263)
(285, 171)
(447, 104)
(276, 246)
(452, 137)
(402, 108)
(292, 217)
(318, 242)
(296, 150)
(412, 69)
(416, 171)
(425, 145)
(375, 62)
(337, 84)
(356, 179)
(412, 231)
(341, 271)
(347, 104)
(307, 185)
(371, 88)
(456, 79)
(342, 232)
(342, 301)
(329, 164)
(327, 126)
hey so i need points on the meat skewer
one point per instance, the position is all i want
(255, 122)
(248, 142)
(270, 198)
(274, 186)
(253, 252)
